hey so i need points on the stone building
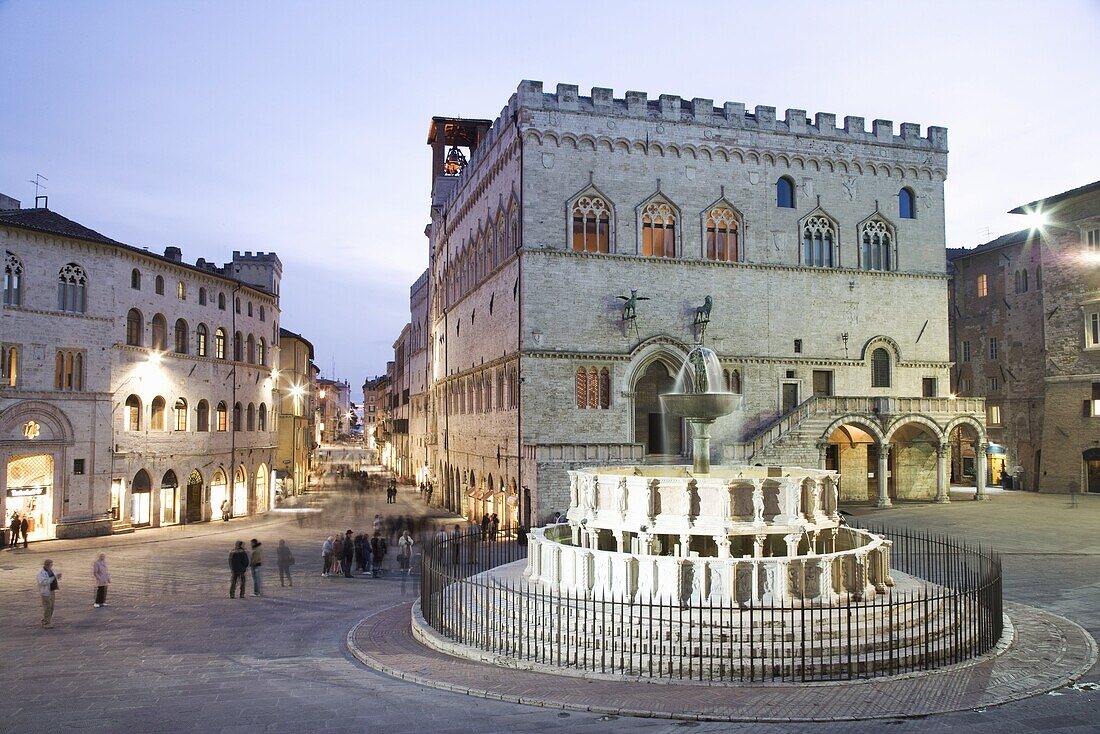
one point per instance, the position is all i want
(1026, 322)
(334, 408)
(136, 388)
(376, 391)
(297, 389)
(580, 244)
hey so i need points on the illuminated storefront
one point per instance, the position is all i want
(30, 493)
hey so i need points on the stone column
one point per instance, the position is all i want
(758, 545)
(723, 543)
(792, 540)
(883, 470)
(685, 544)
(980, 470)
(943, 474)
(822, 448)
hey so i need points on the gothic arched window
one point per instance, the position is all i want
(723, 243)
(202, 416)
(72, 283)
(658, 229)
(201, 337)
(591, 224)
(156, 414)
(219, 343)
(159, 285)
(13, 280)
(818, 240)
(262, 417)
(222, 417)
(877, 239)
(135, 279)
(133, 413)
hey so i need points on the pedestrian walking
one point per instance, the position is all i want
(225, 510)
(494, 527)
(485, 526)
(238, 565)
(102, 577)
(25, 528)
(257, 560)
(13, 527)
(326, 555)
(404, 550)
(349, 554)
(47, 587)
(284, 559)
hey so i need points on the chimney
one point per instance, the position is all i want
(174, 254)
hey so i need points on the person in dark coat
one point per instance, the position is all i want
(13, 541)
(485, 527)
(349, 554)
(377, 554)
(360, 561)
(25, 528)
(284, 559)
(238, 566)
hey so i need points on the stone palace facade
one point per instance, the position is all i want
(136, 389)
(588, 241)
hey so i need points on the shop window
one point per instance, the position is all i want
(13, 280)
(880, 368)
(72, 283)
(156, 414)
(133, 413)
(180, 411)
(9, 364)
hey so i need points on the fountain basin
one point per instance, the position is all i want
(701, 406)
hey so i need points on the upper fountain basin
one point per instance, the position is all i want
(704, 406)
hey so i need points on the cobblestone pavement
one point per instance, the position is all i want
(172, 652)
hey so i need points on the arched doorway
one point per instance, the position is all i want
(913, 461)
(194, 496)
(852, 448)
(169, 498)
(31, 493)
(1091, 458)
(963, 440)
(262, 502)
(661, 433)
(240, 492)
(141, 499)
(219, 492)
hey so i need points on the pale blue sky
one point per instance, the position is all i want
(300, 127)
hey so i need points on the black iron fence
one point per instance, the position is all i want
(949, 612)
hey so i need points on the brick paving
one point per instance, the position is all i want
(173, 653)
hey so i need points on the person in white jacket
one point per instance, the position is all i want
(47, 586)
(102, 577)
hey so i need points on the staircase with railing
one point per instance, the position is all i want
(792, 437)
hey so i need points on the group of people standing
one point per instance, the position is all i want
(341, 553)
(242, 560)
(48, 585)
(19, 525)
(490, 525)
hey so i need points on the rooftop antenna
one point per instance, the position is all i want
(37, 181)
